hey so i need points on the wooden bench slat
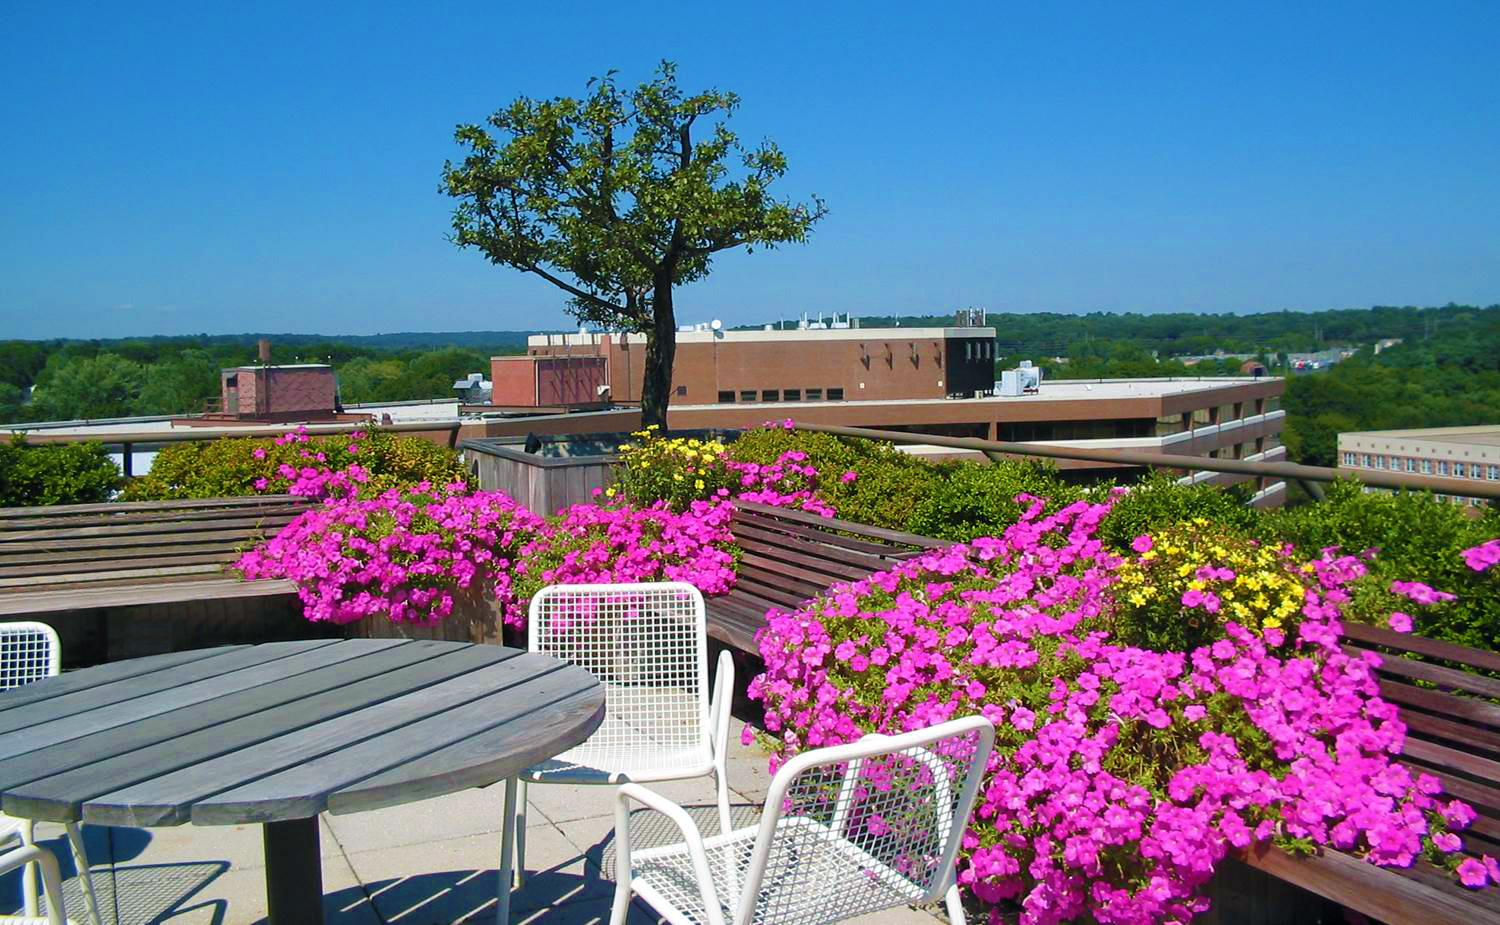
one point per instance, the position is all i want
(1421, 645)
(1446, 731)
(768, 528)
(809, 561)
(136, 528)
(146, 562)
(1363, 887)
(1420, 750)
(9, 551)
(52, 510)
(96, 577)
(1467, 708)
(1450, 678)
(870, 562)
(847, 526)
(205, 588)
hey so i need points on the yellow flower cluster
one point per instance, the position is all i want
(677, 469)
(1265, 592)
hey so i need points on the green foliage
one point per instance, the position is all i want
(969, 499)
(1415, 538)
(614, 192)
(229, 466)
(55, 473)
(889, 482)
(1158, 501)
(104, 386)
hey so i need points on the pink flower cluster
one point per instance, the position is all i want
(405, 557)
(314, 479)
(589, 544)
(1483, 556)
(1121, 776)
(789, 482)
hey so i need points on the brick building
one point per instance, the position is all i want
(809, 365)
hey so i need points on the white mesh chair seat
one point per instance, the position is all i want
(834, 878)
(647, 644)
(845, 831)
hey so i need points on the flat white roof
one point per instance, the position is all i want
(1480, 435)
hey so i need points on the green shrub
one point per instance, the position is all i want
(1415, 538)
(887, 485)
(55, 473)
(967, 499)
(232, 466)
(1158, 501)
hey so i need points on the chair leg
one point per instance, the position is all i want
(620, 911)
(507, 853)
(29, 873)
(955, 905)
(722, 779)
(520, 823)
(85, 882)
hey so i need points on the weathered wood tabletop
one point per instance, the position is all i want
(277, 733)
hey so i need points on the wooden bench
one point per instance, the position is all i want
(1453, 733)
(790, 556)
(81, 556)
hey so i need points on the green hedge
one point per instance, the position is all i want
(228, 467)
(55, 473)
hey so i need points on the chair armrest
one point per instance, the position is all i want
(51, 876)
(720, 703)
(690, 834)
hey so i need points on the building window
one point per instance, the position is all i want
(814, 394)
(726, 398)
(1380, 462)
(1364, 460)
(1348, 459)
(747, 395)
(1411, 465)
(835, 394)
(1442, 467)
(1495, 473)
(1426, 467)
(682, 390)
(792, 394)
(1260, 406)
(769, 395)
(1458, 470)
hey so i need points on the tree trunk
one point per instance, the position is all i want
(661, 350)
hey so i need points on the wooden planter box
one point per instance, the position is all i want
(475, 618)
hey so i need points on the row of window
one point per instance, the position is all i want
(1424, 466)
(1221, 414)
(729, 396)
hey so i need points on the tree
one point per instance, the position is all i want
(103, 386)
(613, 199)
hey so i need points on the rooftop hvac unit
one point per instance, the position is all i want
(1025, 380)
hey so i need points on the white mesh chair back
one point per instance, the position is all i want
(28, 652)
(647, 644)
(858, 828)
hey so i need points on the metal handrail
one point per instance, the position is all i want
(1309, 477)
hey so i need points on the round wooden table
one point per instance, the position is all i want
(277, 733)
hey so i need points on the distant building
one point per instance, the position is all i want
(549, 381)
(474, 389)
(802, 365)
(1449, 452)
(304, 392)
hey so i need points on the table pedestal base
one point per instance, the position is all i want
(294, 872)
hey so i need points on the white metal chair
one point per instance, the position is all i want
(648, 645)
(35, 856)
(30, 652)
(845, 831)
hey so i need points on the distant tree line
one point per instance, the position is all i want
(104, 379)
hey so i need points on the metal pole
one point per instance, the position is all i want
(294, 872)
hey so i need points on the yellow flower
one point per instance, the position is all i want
(698, 484)
(677, 476)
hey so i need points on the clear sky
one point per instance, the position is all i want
(214, 167)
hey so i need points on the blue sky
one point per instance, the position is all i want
(274, 167)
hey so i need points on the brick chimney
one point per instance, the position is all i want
(265, 351)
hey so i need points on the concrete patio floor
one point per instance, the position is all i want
(429, 863)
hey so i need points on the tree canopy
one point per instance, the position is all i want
(617, 198)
